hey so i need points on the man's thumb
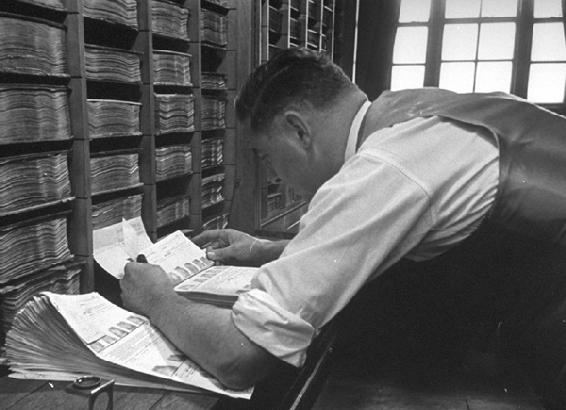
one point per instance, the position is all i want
(219, 254)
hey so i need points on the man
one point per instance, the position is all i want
(415, 175)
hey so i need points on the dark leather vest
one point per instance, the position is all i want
(531, 197)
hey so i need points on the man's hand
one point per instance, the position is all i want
(238, 248)
(143, 286)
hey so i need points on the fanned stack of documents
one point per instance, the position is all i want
(212, 190)
(213, 112)
(32, 46)
(63, 278)
(33, 180)
(169, 19)
(171, 68)
(113, 211)
(61, 337)
(33, 113)
(212, 152)
(110, 64)
(214, 28)
(174, 113)
(195, 276)
(113, 118)
(52, 4)
(173, 161)
(172, 209)
(213, 81)
(113, 11)
(114, 170)
(31, 246)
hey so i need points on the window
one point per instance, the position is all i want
(516, 46)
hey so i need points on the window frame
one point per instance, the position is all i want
(521, 59)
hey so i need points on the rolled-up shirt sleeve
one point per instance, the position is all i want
(351, 231)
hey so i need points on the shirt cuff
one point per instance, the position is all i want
(282, 333)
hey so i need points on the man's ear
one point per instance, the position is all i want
(298, 122)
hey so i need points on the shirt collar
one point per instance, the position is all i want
(354, 130)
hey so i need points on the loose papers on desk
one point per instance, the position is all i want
(61, 337)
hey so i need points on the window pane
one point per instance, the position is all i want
(493, 76)
(459, 41)
(499, 8)
(497, 41)
(547, 83)
(462, 8)
(410, 45)
(414, 10)
(547, 8)
(406, 76)
(457, 77)
(548, 42)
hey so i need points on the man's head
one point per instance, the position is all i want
(297, 108)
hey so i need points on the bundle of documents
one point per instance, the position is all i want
(113, 211)
(52, 4)
(32, 46)
(113, 11)
(32, 180)
(173, 161)
(114, 170)
(216, 222)
(212, 190)
(172, 209)
(110, 64)
(213, 112)
(33, 113)
(174, 113)
(214, 28)
(63, 278)
(212, 152)
(113, 118)
(171, 68)
(213, 81)
(61, 337)
(195, 276)
(32, 245)
(169, 19)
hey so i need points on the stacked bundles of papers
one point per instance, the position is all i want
(52, 4)
(212, 190)
(114, 170)
(213, 81)
(61, 337)
(171, 68)
(173, 161)
(31, 246)
(33, 180)
(113, 11)
(212, 152)
(214, 28)
(113, 118)
(64, 278)
(172, 209)
(113, 211)
(174, 113)
(110, 64)
(216, 222)
(213, 113)
(33, 113)
(169, 19)
(32, 46)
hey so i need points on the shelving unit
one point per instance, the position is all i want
(285, 24)
(153, 136)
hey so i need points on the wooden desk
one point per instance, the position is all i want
(287, 388)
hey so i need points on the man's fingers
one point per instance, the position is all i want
(207, 236)
(220, 254)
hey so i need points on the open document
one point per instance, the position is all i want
(195, 276)
(61, 337)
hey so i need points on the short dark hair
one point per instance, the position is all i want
(292, 75)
